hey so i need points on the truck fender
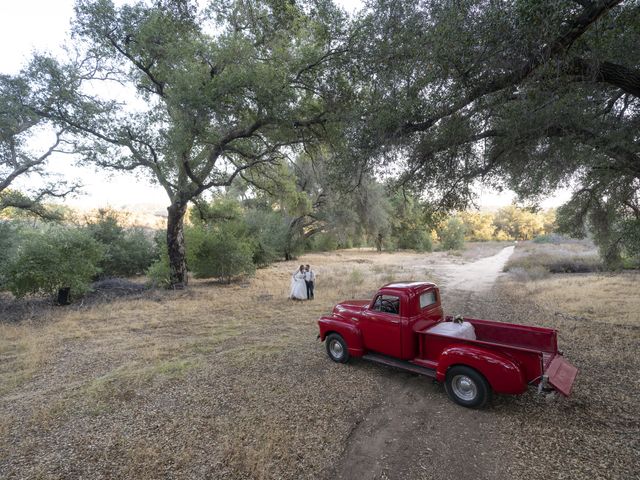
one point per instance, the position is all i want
(349, 332)
(502, 373)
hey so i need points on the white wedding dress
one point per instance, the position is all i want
(298, 286)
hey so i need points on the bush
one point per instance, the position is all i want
(54, 259)
(159, 273)
(128, 252)
(452, 234)
(218, 253)
(534, 263)
(419, 240)
(267, 231)
(9, 240)
(550, 238)
(140, 252)
(324, 242)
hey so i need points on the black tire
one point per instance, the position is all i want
(467, 387)
(337, 348)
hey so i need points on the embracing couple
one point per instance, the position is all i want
(302, 283)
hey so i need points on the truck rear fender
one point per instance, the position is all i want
(348, 331)
(502, 373)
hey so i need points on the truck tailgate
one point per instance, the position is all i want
(561, 375)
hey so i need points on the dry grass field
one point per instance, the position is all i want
(532, 261)
(222, 381)
(602, 298)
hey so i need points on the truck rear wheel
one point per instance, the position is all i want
(337, 348)
(467, 387)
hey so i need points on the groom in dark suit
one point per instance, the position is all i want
(310, 279)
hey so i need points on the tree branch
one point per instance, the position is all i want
(560, 44)
(625, 78)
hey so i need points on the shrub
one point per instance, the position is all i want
(560, 263)
(324, 242)
(550, 238)
(128, 252)
(452, 234)
(419, 240)
(54, 259)
(159, 273)
(218, 253)
(267, 231)
(141, 252)
(9, 240)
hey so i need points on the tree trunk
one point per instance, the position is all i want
(379, 239)
(175, 245)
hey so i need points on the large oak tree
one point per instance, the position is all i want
(522, 94)
(224, 93)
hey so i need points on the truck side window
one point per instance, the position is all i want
(428, 298)
(387, 304)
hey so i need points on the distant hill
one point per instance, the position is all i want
(146, 215)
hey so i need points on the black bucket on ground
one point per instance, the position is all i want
(64, 296)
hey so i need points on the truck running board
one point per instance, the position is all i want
(394, 362)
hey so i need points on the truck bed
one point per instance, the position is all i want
(533, 348)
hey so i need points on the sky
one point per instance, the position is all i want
(43, 25)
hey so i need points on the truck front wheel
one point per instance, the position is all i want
(337, 348)
(467, 387)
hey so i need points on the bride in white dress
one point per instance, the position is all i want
(298, 285)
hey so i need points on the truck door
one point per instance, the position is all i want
(382, 326)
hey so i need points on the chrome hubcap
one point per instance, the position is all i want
(464, 387)
(335, 347)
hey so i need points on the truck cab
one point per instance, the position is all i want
(388, 320)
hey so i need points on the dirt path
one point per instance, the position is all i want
(478, 276)
(415, 431)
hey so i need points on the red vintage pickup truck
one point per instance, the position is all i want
(404, 326)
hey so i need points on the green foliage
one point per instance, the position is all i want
(19, 155)
(9, 241)
(158, 272)
(221, 209)
(219, 244)
(479, 227)
(128, 251)
(550, 238)
(229, 91)
(218, 253)
(409, 229)
(612, 217)
(16, 205)
(526, 95)
(324, 242)
(52, 259)
(268, 233)
(419, 240)
(517, 223)
(451, 234)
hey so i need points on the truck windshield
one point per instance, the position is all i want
(387, 304)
